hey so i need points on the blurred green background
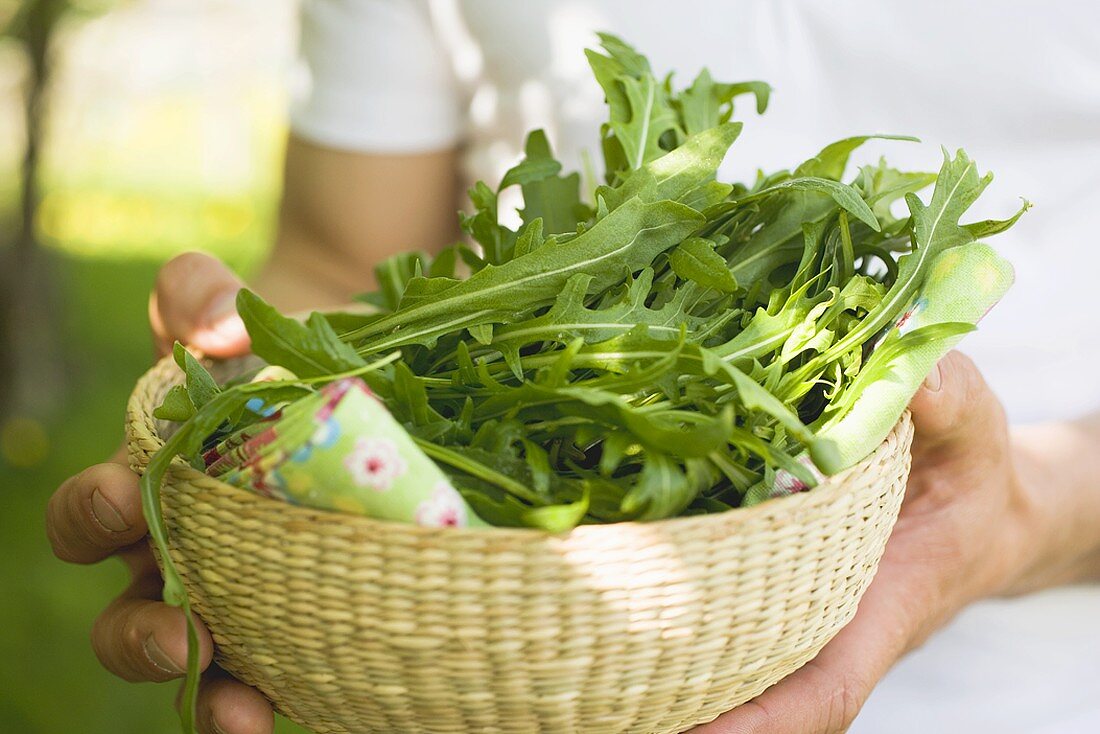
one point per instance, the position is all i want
(129, 132)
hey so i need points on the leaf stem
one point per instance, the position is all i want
(477, 469)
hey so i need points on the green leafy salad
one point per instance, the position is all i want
(666, 344)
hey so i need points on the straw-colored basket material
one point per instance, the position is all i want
(354, 625)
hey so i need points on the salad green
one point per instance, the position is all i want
(670, 345)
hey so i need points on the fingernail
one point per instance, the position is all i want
(159, 658)
(216, 727)
(220, 325)
(107, 514)
(934, 379)
(220, 307)
(229, 332)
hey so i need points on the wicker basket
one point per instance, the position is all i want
(354, 625)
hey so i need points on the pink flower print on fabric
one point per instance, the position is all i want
(375, 463)
(443, 509)
(907, 323)
(787, 483)
(335, 391)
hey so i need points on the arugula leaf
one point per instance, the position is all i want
(538, 164)
(393, 275)
(988, 227)
(549, 198)
(679, 175)
(885, 185)
(845, 196)
(706, 103)
(628, 238)
(569, 317)
(662, 489)
(484, 225)
(695, 259)
(201, 387)
(308, 350)
(557, 518)
(935, 229)
(530, 238)
(833, 158)
(651, 116)
(177, 405)
(623, 65)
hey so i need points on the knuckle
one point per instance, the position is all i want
(109, 642)
(59, 545)
(76, 533)
(960, 361)
(750, 717)
(235, 706)
(63, 524)
(844, 705)
(976, 400)
(755, 718)
(54, 523)
(132, 634)
(120, 637)
(72, 527)
(970, 382)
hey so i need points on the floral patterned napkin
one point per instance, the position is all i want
(340, 449)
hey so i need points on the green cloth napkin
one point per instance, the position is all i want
(340, 449)
(963, 284)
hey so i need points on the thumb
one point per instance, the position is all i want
(955, 410)
(194, 302)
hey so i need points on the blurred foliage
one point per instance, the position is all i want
(13, 12)
(133, 172)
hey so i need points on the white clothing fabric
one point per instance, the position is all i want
(1017, 85)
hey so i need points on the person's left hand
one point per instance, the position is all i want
(97, 513)
(963, 534)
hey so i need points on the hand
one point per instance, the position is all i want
(963, 534)
(97, 513)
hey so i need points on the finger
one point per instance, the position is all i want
(227, 706)
(194, 302)
(139, 558)
(955, 409)
(811, 701)
(140, 639)
(825, 695)
(95, 513)
(120, 456)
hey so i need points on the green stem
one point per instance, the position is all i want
(476, 469)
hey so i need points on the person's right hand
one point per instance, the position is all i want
(97, 514)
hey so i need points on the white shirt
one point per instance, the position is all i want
(1017, 85)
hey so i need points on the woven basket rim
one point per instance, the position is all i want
(165, 373)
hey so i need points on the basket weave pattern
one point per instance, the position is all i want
(354, 626)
